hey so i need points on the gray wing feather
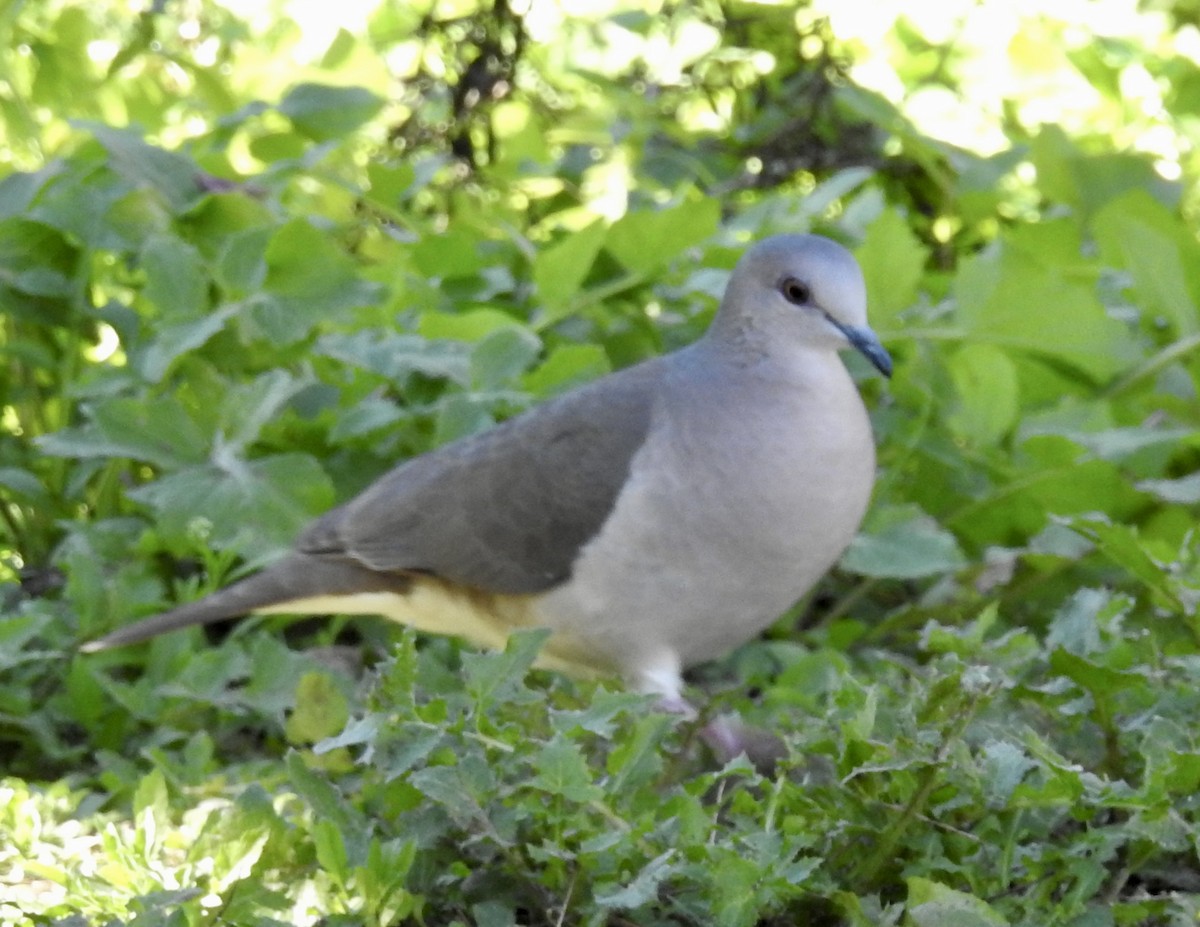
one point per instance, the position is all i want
(507, 510)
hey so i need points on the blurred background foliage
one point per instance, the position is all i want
(252, 254)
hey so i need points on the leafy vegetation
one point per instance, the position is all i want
(239, 279)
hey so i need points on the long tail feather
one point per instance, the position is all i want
(293, 579)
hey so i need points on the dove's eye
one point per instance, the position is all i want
(796, 291)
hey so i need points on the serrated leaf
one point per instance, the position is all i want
(1004, 766)
(931, 904)
(493, 676)
(1121, 544)
(560, 768)
(641, 889)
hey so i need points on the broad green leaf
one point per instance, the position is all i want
(35, 259)
(1008, 298)
(309, 281)
(501, 357)
(567, 366)
(249, 406)
(1149, 241)
(1074, 626)
(559, 271)
(258, 505)
(323, 112)
(158, 431)
(141, 164)
(23, 485)
(1088, 181)
(176, 281)
(172, 341)
(472, 325)
(903, 543)
(1004, 766)
(985, 381)
(1102, 682)
(397, 357)
(241, 266)
(892, 260)
(643, 241)
(1185, 490)
(449, 255)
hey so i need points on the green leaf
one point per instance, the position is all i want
(931, 904)
(309, 280)
(143, 165)
(502, 356)
(985, 381)
(1004, 766)
(256, 505)
(327, 804)
(1185, 490)
(1088, 181)
(321, 709)
(397, 357)
(642, 888)
(23, 484)
(645, 240)
(472, 325)
(249, 406)
(450, 255)
(492, 676)
(176, 281)
(173, 341)
(567, 366)
(559, 271)
(1003, 295)
(1121, 544)
(158, 431)
(560, 768)
(893, 261)
(903, 543)
(323, 112)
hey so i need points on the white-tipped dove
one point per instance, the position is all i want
(653, 519)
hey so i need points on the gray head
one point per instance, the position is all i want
(801, 289)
